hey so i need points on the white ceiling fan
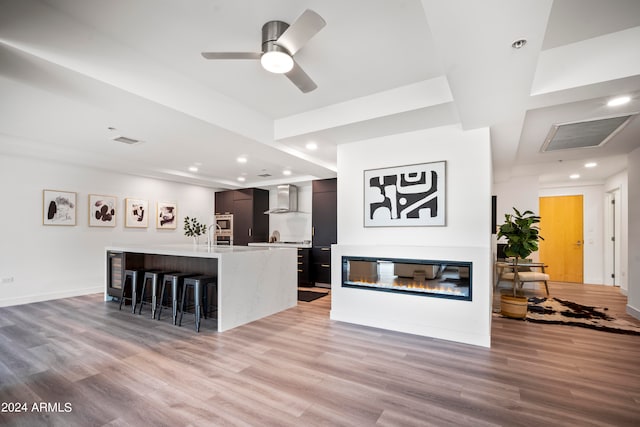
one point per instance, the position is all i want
(280, 42)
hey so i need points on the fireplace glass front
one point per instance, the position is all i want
(442, 279)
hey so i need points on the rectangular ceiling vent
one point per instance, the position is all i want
(126, 140)
(584, 134)
(264, 175)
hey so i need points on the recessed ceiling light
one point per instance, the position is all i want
(241, 159)
(574, 176)
(241, 178)
(193, 169)
(590, 165)
(621, 100)
(286, 172)
(311, 146)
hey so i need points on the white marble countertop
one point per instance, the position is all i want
(281, 245)
(185, 249)
(252, 282)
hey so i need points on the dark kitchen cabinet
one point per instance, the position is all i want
(324, 221)
(304, 267)
(224, 202)
(321, 264)
(250, 224)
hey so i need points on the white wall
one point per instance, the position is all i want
(593, 227)
(466, 236)
(633, 169)
(519, 192)
(48, 262)
(292, 226)
(468, 216)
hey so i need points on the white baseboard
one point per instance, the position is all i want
(28, 299)
(632, 311)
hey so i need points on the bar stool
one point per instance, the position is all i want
(156, 277)
(176, 279)
(200, 285)
(134, 276)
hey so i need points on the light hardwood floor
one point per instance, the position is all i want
(299, 368)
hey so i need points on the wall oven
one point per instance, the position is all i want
(224, 229)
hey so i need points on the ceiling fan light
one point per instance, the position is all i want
(276, 62)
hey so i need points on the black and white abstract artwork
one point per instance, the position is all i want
(166, 215)
(412, 195)
(136, 213)
(58, 207)
(102, 211)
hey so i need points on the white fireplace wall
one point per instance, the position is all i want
(466, 236)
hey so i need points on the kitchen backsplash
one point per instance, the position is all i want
(293, 226)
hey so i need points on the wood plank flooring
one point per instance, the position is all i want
(298, 368)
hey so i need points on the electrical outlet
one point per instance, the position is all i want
(7, 279)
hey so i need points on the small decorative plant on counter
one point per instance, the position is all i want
(193, 228)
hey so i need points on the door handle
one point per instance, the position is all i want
(579, 243)
(249, 231)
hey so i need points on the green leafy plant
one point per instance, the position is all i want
(522, 233)
(193, 228)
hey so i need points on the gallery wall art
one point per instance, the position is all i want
(166, 215)
(58, 207)
(102, 210)
(401, 196)
(136, 213)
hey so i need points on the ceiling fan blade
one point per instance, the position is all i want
(301, 31)
(232, 55)
(299, 78)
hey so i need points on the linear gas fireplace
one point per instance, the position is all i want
(442, 279)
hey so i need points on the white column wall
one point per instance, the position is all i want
(633, 169)
(39, 262)
(466, 236)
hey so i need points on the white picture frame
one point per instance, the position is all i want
(59, 207)
(102, 210)
(136, 213)
(166, 215)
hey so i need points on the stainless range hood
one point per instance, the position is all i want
(287, 200)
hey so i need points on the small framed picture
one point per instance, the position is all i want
(136, 213)
(58, 207)
(166, 215)
(102, 211)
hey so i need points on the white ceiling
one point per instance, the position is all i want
(70, 70)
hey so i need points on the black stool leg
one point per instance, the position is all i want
(154, 294)
(174, 298)
(197, 299)
(164, 282)
(184, 292)
(124, 288)
(134, 286)
(142, 292)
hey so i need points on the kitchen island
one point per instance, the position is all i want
(253, 282)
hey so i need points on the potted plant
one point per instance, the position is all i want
(193, 228)
(522, 234)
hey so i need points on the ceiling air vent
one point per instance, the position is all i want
(264, 175)
(126, 140)
(584, 134)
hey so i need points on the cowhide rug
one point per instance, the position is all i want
(562, 312)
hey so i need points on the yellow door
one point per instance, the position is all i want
(562, 247)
